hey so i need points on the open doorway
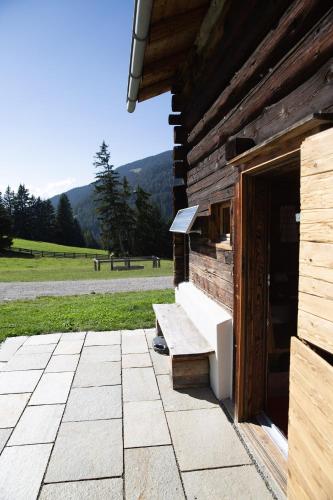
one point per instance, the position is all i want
(270, 260)
(283, 264)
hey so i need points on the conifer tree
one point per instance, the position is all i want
(126, 219)
(22, 215)
(5, 227)
(107, 199)
(65, 222)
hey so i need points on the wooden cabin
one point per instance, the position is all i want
(251, 87)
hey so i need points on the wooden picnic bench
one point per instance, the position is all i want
(189, 350)
(127, 263)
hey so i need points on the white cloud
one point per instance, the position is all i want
(52, 188)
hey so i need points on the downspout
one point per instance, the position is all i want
(141, 23)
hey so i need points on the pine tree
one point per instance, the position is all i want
(5, 227)
(126, 219)
(22, 219)
(107, 199)
(8, 200)
(65, 231)
(78, 235)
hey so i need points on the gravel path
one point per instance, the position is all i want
(31, 290)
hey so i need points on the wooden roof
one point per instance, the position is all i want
(174, 27)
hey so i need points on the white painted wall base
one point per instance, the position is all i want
(214, 322)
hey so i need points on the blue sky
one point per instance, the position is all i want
(64, 67)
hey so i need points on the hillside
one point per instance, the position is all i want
(153, 174)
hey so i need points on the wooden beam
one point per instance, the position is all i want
(237, 145)
(179, 135)
(169, 27)
(301, 61)
(291, 27)
(224, 55)
(155, 89)
(175, 119)
(177, 103)
(179, 153)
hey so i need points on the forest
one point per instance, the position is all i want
(129, 222)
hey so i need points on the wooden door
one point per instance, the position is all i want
(310, 461)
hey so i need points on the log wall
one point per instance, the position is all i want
(287, 76)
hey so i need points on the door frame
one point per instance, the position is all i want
(251, 288)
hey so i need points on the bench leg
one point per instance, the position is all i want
(190, 372)
(158, 329)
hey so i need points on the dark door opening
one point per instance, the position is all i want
(282, 279)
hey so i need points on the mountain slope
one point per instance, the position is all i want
(153, 174)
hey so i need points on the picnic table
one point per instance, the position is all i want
(126, 263)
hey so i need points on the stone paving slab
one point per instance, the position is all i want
(68, 347)
(161, 363)
(152, 473)
(9, 347)
(94, 403)
(205, 439)
(103, 489)
(37, 361)
(102, 338)
(21, 471)
(185, 399)
(87, 458)
(145, 424)
(11, 408)
(38, 424)
(17, 382)
(150, 335)
(86, 450)
(35, 349)
(63, 363)
(139, 384)
(94, 374)
(48, 338)
(136, 360)
(4, 435)
(134, 342)
(72, 336)
(101, 353)
(52, 388)
(241, 483)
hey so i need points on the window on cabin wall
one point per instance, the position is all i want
(220, 223)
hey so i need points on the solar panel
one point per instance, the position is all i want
(184, 220)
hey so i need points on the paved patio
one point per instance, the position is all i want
(93, 416)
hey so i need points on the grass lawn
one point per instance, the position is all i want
(80, 313)
(51, 247)
(58, 269)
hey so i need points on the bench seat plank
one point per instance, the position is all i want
(181, 335)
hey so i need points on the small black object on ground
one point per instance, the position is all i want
(160, 345)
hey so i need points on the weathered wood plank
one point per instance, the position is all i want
(290, 72)
(316, 287)
(310, 463)
(181, 335)
(290, 28)
(323, 308)
(321, 232)
(315, 330)
(320, 273)
(316, 191)
(212, 288)
(212, 266)
(316, 254)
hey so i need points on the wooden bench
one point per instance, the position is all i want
(189, 350)
(127, 263)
